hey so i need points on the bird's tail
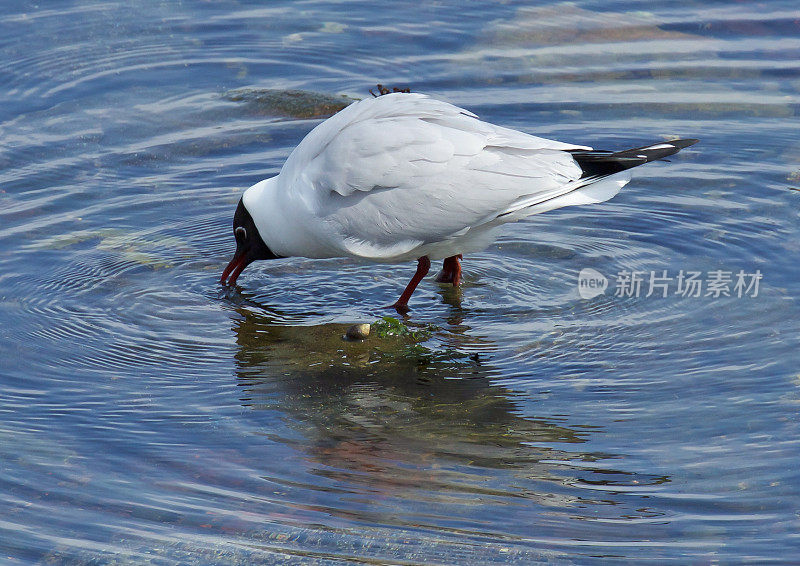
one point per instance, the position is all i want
(604, 163)
(603, 176)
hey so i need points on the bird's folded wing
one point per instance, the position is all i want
(416, 170)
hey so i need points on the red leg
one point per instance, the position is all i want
(451, 271)
(423, 265)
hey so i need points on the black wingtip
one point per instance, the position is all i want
(603, 163)
(680, 144)
(654, 151)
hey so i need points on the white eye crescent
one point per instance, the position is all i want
(240, 232)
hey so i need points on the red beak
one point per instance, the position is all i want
(234, 268)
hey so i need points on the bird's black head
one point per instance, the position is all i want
(249, 245)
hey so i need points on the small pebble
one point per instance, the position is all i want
(358, 332)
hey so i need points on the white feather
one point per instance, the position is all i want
(403, 175)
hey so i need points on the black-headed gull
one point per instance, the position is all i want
(405, 176)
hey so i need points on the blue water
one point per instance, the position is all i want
(148, 416)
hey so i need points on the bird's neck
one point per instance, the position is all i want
(282, 222)
(263, 202)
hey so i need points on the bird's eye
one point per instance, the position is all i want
(240, 233)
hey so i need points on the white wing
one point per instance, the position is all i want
(389, 174)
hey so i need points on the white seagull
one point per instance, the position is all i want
(404, 176)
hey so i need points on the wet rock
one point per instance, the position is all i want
(568, 23)
(358, 331)
(292, 103)
(143, 248)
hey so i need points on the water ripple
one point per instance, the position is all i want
(145, 406)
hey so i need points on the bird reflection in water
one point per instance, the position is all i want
(406, 426)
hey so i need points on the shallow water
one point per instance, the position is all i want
(150, 416)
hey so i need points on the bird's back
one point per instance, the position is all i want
(388, 175)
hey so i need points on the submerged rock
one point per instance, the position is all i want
(570, 24)
(142, 247)
(292, 103)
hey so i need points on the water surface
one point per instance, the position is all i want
(149, 416)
